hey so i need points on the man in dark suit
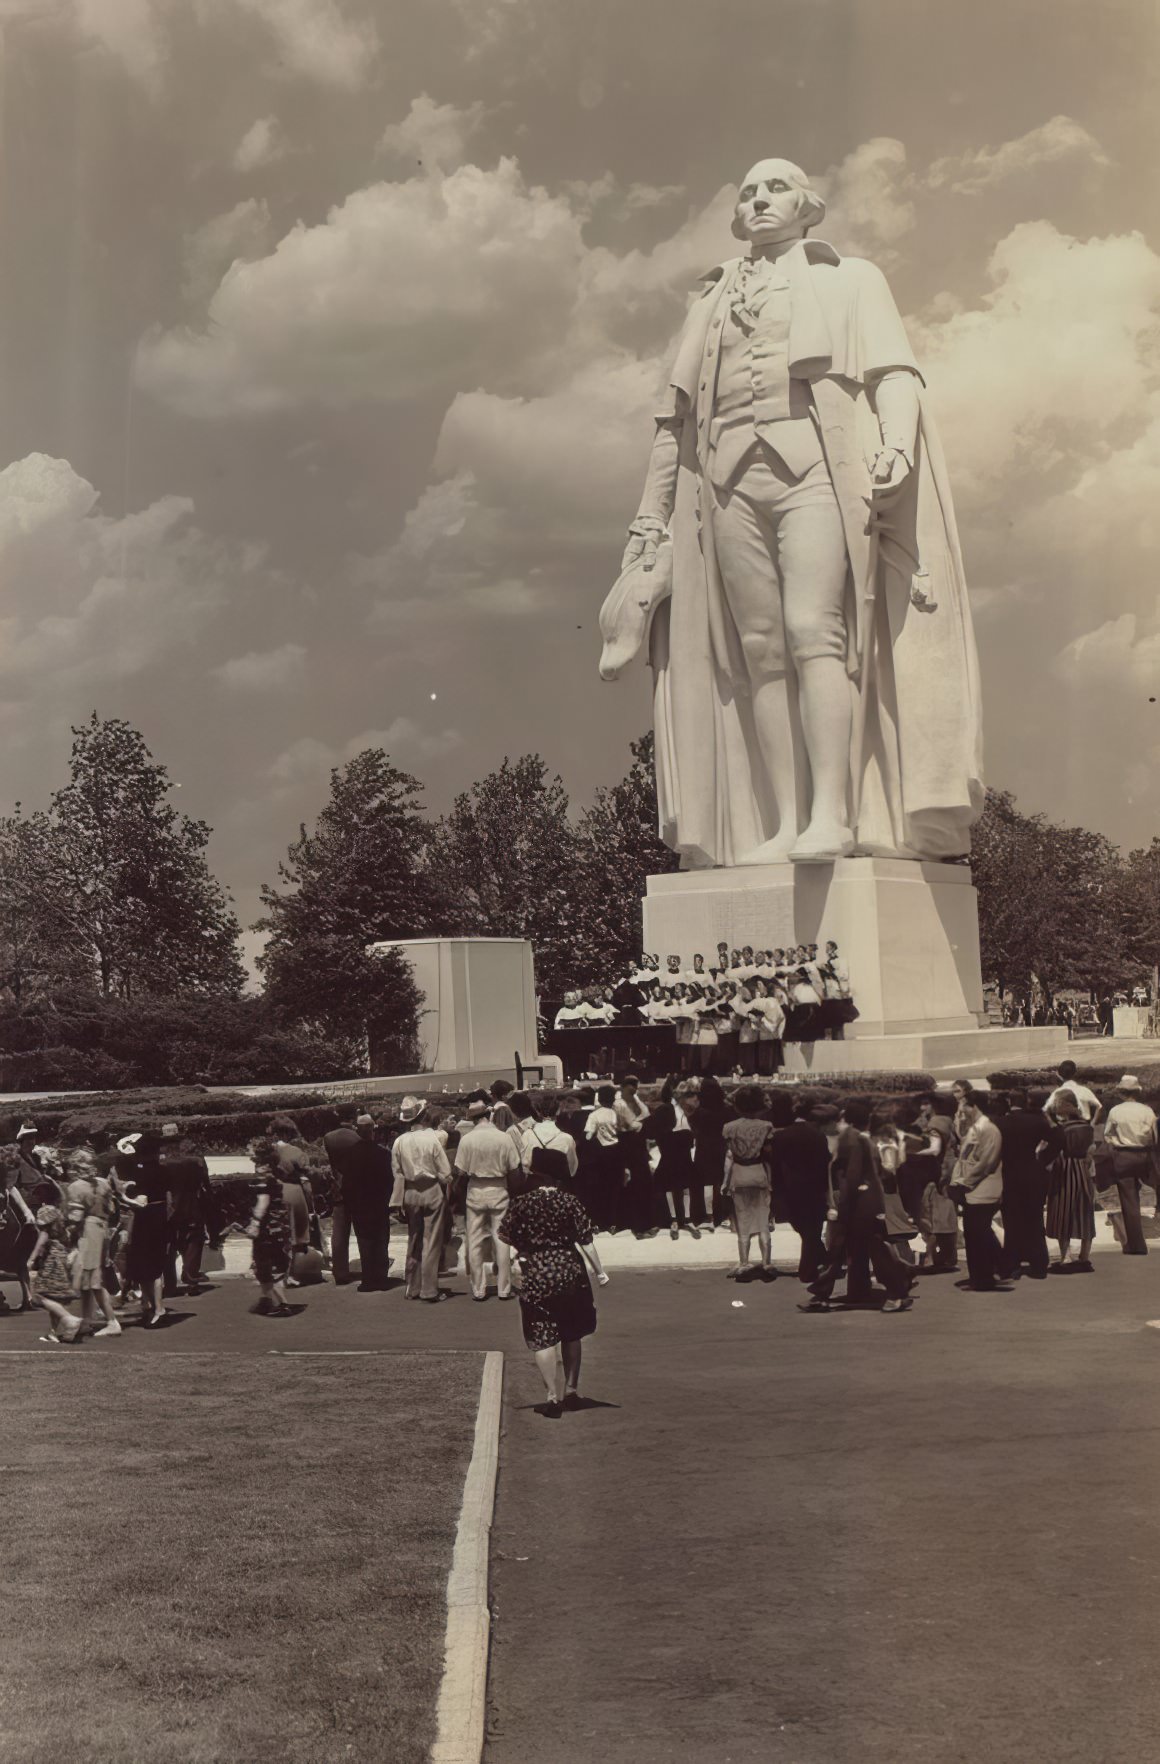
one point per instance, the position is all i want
(369, 1184)
(191, 1208)
(799, 1163)
(340, 1145)
(859, 1219)
(669, 1129)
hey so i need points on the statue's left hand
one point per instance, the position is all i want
(889, 472)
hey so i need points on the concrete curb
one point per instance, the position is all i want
(462, 1710)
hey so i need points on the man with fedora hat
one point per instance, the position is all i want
(1130, 1132)
(421, 1172)
(486, 1158)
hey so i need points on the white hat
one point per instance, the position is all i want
(411, 1108)
(128, 1146)
(1129, 1082)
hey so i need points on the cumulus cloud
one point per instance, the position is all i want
(238, 236)
(527, 491)
(609, 196)
(406, 288)
(91, 597)
(1121, 655)
(1054, 142)
(128, 29)
(433, 135)
(264, 670)
(318, 40)
(1044, 373)
(309, 760)
(262, 144)
(869, 206)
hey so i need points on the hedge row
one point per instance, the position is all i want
(1098, 1078)
(228, 1122)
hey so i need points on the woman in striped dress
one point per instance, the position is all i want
(1071, 1183)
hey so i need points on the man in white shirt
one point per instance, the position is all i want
(1090, 1107)
(485, 1159)
(421, 1172)
(1131, 1133)
(608, 1166)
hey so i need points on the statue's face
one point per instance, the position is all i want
(771, 204)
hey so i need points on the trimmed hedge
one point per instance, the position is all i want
(1101, 1079)
(224, 1122)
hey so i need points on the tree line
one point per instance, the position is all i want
(119, 949)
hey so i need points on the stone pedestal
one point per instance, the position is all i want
(908, 933)
(479, 1001)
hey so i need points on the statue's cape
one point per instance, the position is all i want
(921, 782)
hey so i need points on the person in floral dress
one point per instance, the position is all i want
(552, 1236)
(51, 1275)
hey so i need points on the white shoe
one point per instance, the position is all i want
(774, 851)
(113, 1328)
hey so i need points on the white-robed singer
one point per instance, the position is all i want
(796, 567)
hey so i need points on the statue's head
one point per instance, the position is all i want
(776, 202)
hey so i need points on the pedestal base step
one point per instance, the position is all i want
(960, 1053)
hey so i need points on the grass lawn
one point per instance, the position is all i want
(214, 1558)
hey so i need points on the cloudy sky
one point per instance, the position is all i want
(329, 330)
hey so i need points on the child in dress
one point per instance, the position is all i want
(51, 1275)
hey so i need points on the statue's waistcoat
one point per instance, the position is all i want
(746, 393)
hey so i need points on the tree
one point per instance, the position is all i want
(620, 849)
(142, 907)
(1139, 912)
(1049, 899)
(508, 854)
(38, 953)
(360, 877)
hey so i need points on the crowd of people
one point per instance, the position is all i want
(728, 1018)
(116, 1223)
(1072, 1012)
(873, 1188)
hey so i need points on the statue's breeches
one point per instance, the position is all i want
(781, 554)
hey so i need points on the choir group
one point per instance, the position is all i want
(731, 1016)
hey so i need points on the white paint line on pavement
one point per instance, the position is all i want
(462, 1710)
